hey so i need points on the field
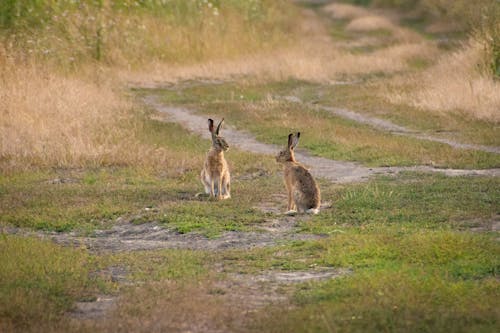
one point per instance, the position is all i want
(103, 134)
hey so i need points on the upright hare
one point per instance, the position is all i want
(303, 192)
(215, 174)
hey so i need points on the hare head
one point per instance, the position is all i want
(286, 155)
(218, 142)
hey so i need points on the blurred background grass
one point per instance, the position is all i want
(130, 33)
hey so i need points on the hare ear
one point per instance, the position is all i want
(295, 140)
(210, 125)
(290, 140)
(219, 126)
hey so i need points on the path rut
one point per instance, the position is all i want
(388, 126)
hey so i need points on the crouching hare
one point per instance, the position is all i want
(303, 192)
(215, 174)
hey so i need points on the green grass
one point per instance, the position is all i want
(40, 280)
(403, 280)
(414, 200)
(96, 199)
(159, 265)
(413, 268)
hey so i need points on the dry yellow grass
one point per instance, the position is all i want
(454, 84)
(311, 61)
(52, 120)
(179, 32)
(362, 20)
(345, 11)
(370, 23)
(313, 57)
(67, 107)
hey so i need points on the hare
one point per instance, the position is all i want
(215, 174)
(303, 192)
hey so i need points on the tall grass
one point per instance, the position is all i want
(130, 33)
(464, 81)
(52, 120)
(454, 84)
(481, 19)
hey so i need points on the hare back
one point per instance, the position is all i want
(305, 191)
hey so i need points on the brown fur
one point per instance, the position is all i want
(303, 192)
(215, 175)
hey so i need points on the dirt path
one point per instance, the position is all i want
(388, 126)
(336, 171)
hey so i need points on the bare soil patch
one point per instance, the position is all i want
(225, 303)
(127, 236)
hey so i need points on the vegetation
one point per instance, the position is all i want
(81, 47)
(480, 19)
(264, 111)
(80, 154)
(133, 33)
(423, 283)
(40, 280)
(406, 241)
